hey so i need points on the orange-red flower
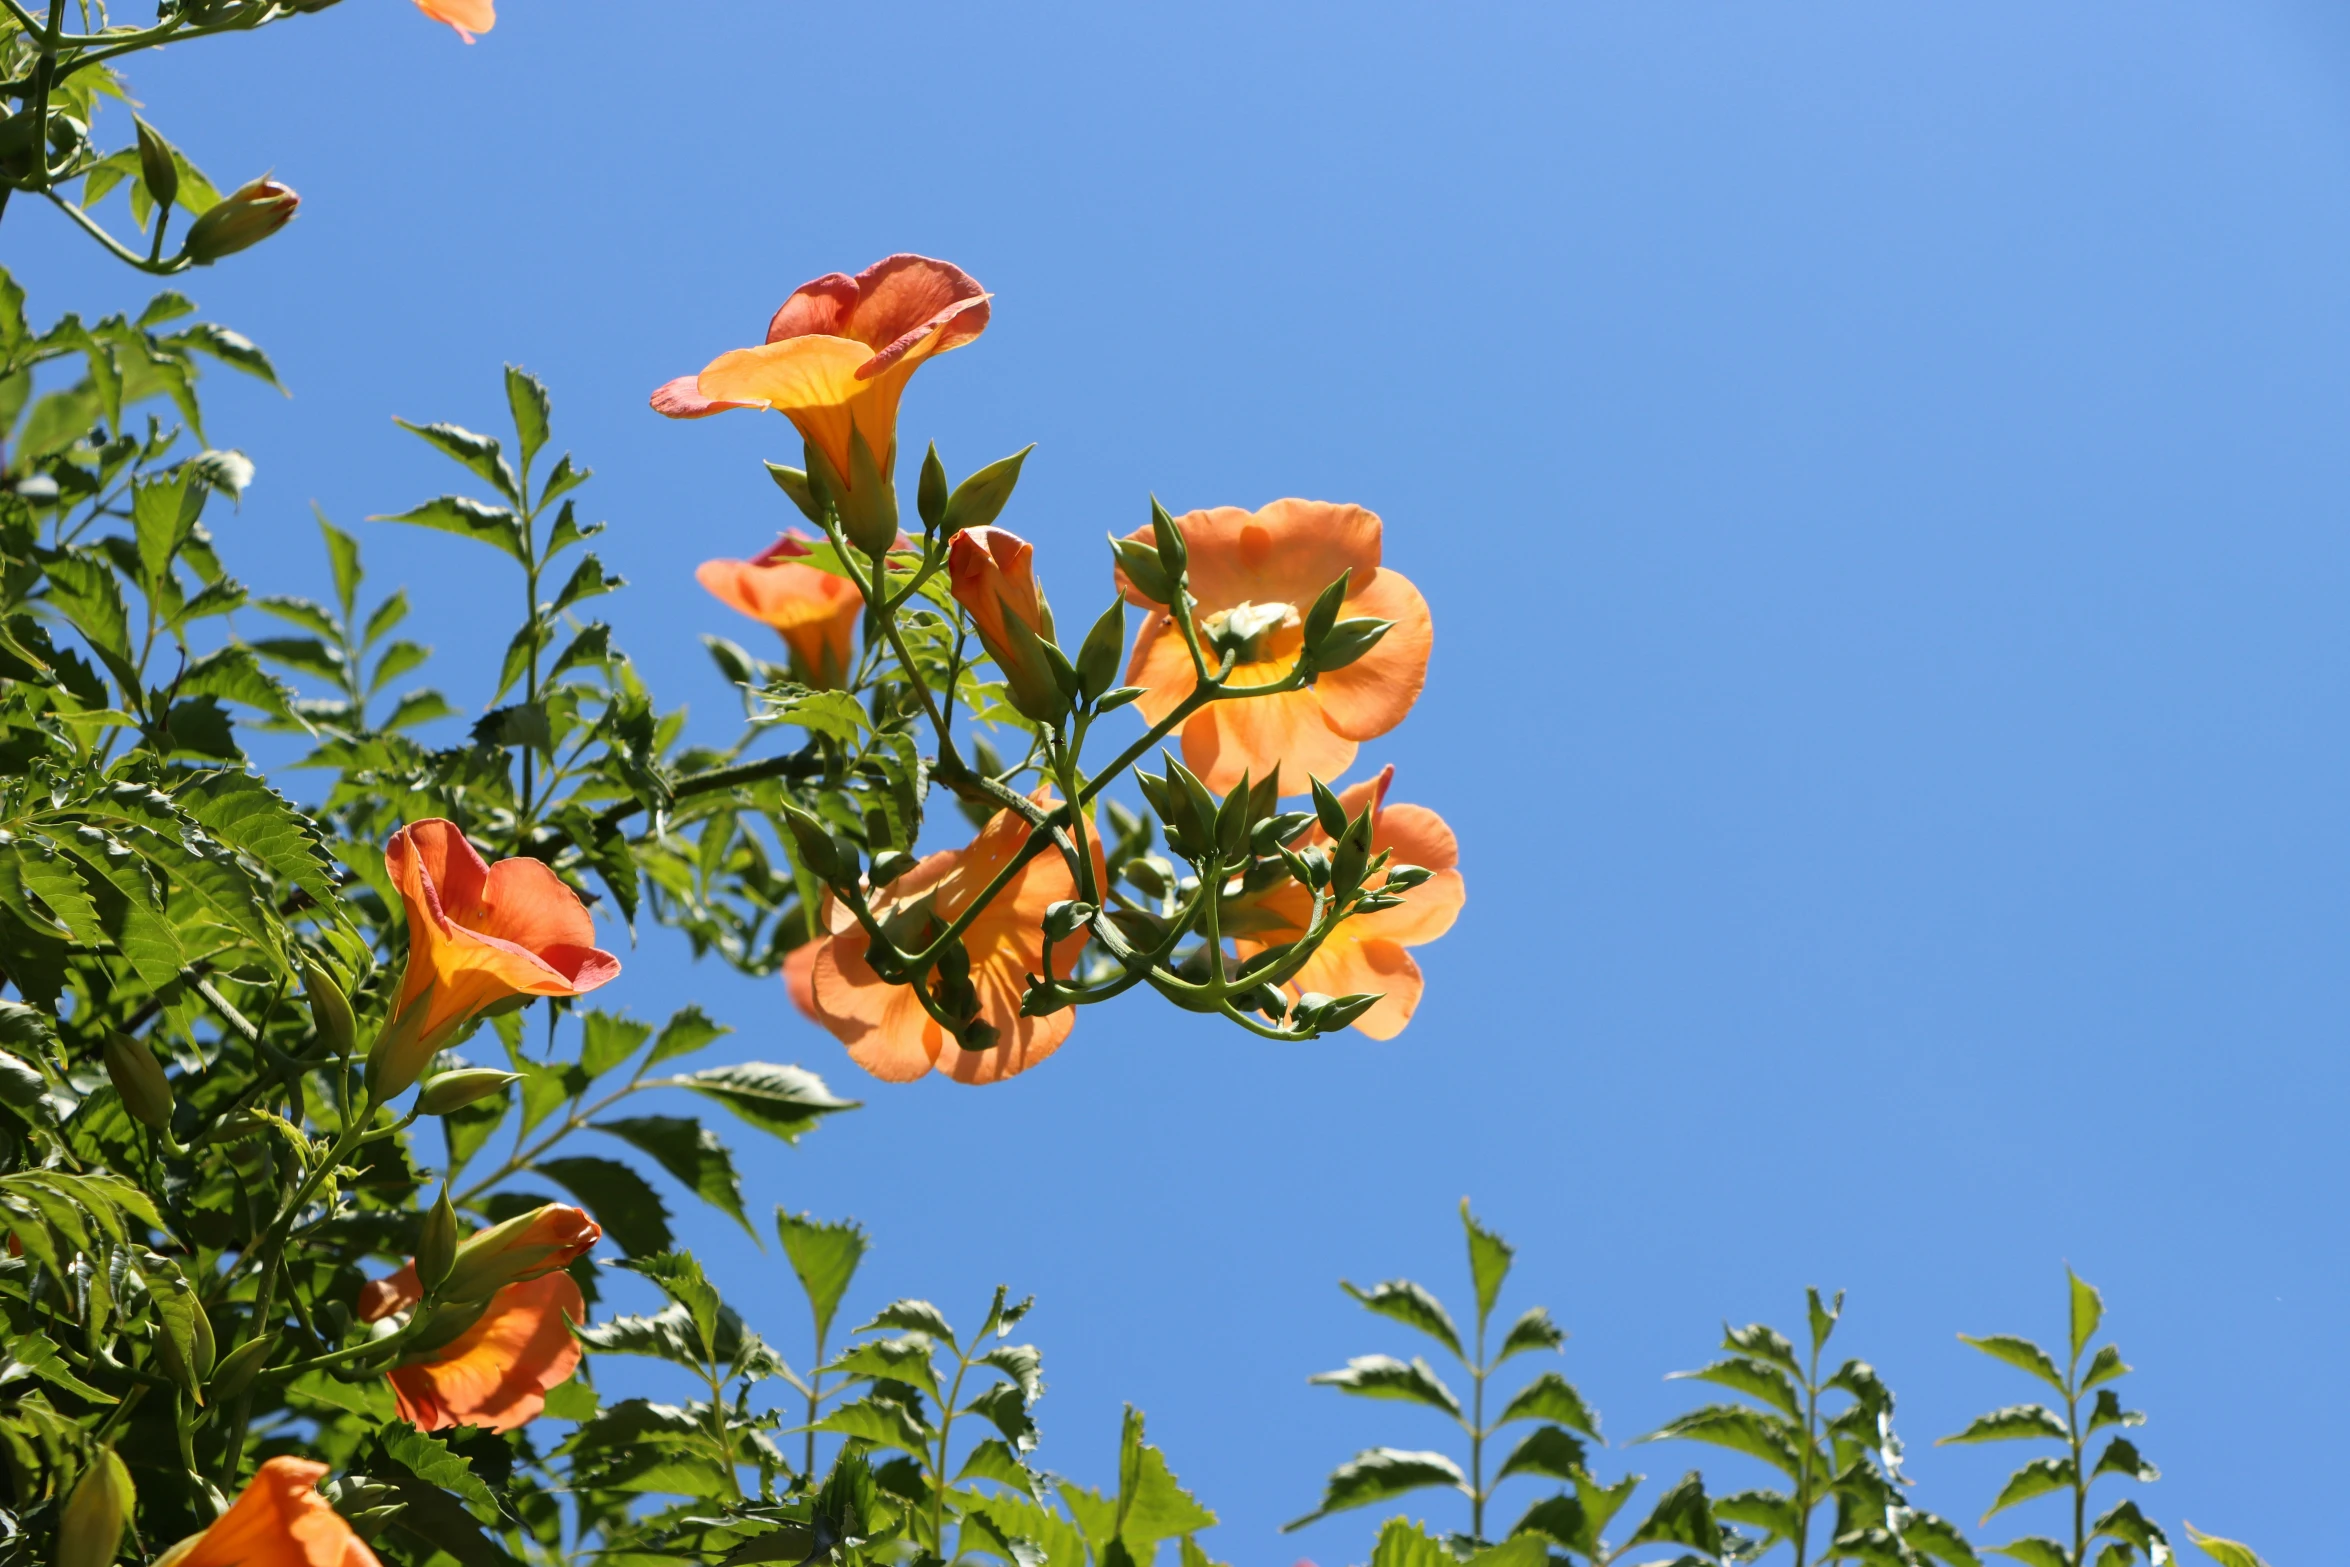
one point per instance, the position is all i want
(481, 938)
(887, 1030)
(1365, 954)
(467, 16)
(992, 573)
(278, 1520)
(1255, 574)
(815, 611)
(497, 1373)
(837, 358)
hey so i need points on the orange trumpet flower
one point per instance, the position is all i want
(1365, 954)
(1255, 574)
(467, 16)
(887, 1030)
(481, 938)
(992, 573)
(837, 358)
(278, 1520)
(498, 1372)
(815, 611)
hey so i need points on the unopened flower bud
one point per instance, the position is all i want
(436, 1242)
(240, 220)
(525, 1247)
(138, 1077)
(330, 1009)
(238, 1367)
(89, 1531)
(453, 1091)
(992, 574)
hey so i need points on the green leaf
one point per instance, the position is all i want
(2037, 1478)
(1775, 1515)
(1532, 1331)
(1152, 1504)
(1757, 1379)
(669, 1334)
(1938, 1538)
(2035, 1550)
(493, 525)
(1002, 1406)
(833, 714)
(630, 1211)
(680, 1278)
(1762, 1342)
(911, 1316)
(980, 499)
(1681, 1517)
(572, 1400)
(2088, 1309)
(1023, 1363)
(1489, 1262)
(1384, 1376)
(994, 1460)
(429, 1459)
(1823, 1316)
(2021, 1353)
(883, 1422)
(2124, 1521)
(824, 1257)
(691, 1153)
(2104, 1366)
(1376, 1474)
(1737, 1428)
(2121, 1457)
(533, 409)
(784, 1100)
(606, 1040)
(233, 349)
(1402, 1543)
(1551, 1397)
(687, 1031)
(243, 812)
(2012, 1423)
(905, 1358)
(1547, 1450)
(32, 1354)
(234, 674)
(1016, 1518)
(2228, 1553)
(479, 454)
(1412, 1305)
(2109, 1412)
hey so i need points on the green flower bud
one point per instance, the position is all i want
(436, 1243)
(330, 1009)
(139, 1078)
(89, 1531)
(453, 1091)
(239, 1366)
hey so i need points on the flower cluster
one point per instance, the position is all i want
(1273, 644)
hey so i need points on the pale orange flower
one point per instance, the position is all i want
(278, 1520)
(837, 358)
(467, 16)
(1365, 954)
(1255, 574)
(887, 1030)
(498, 1372)
(992, 573)
(815, 611)
(480, 937)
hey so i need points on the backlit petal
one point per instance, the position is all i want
(280, 1520)
(810, 380)
(1256, 735)
(497, 1373)
(1370, 696)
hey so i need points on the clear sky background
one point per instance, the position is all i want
(1879, 474)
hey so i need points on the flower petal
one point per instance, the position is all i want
(1345, 967)
(280, 1520)
(683, 399)
(379, 1298)
(1370, 696)
(1261, 733)
(467, 16)
(497, 1373)
(811, 381)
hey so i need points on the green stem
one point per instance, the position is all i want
(1477, 1375)
(938, 1475)
(1803, 1500)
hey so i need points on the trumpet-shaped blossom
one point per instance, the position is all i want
(467, 16)
(1254, 576)
(278, 1520)
(1365, 954)
(885, 1026)
(993, 575)
(481, 938)
(498, 1372)
(814, 611)
(836, 360)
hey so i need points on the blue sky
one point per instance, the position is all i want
(1878, 474)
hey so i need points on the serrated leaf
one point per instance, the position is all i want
(1489, 1262)
(429, 1459)
(1737, 1428)
(1773, 1514)
(883, 1422)
(32, 1354)
(478, 454)
(1757, 1379)
(630, 1211)
(783, 1100)
(2020, 1353)
(1532, 1331)
(1376, 1474)
(1681, 1517)
(905, 1358)
(994, 1460)
(2104, 1366)
(468, 518)
(1384, 1376)
(2034, 1550)
(824, 1256)
(2228, 1553)
(689, 1152)
(2109, 1412)
(1547, 1450)
(2037, 1478)
(607, 1040)
(1023, 1363)
(532, 407)
(2087, 1311)
(1403, 1543)
(1411, 1304)
(1761, 1341)
(2121, 1457)
(680, 1278)
(2013, 1423)
(1551, 1397)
